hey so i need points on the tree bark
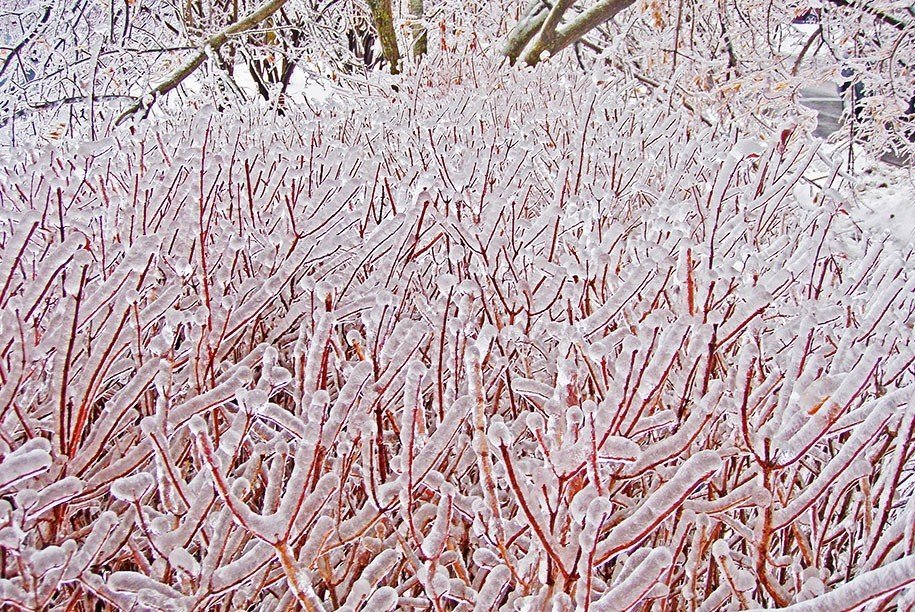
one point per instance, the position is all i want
(528, 25)
(418, 29)
(383, 17)
(540, 31)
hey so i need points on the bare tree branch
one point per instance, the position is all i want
(528, 25)
(889, 20)
(211, 44)
(538, 31)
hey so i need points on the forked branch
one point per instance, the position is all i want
(210, 45)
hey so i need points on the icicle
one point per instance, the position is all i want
(675, 444)
(636, 584)
(498, 579)
(383, 563)
(861, 435)
(434, 542)
(862, 589)
(480, 442)
(668, 497)
(27, 461)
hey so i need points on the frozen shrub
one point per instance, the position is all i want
(450, 349)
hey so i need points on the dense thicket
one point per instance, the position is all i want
(515, 340)
(71, 69)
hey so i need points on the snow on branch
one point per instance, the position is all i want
(207, 48)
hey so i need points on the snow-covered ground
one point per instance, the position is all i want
(885, 200)
(302, 85)
(884, 190)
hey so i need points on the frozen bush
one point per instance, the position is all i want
(452, 348)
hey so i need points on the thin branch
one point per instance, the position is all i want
(870, 10)
(50, 104)
(211, 44)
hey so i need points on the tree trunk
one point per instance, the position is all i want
(418, 29)
(384, 23)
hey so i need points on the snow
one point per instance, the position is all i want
(862, 589)
(885, 201)
(637, 582)
(305, 84)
